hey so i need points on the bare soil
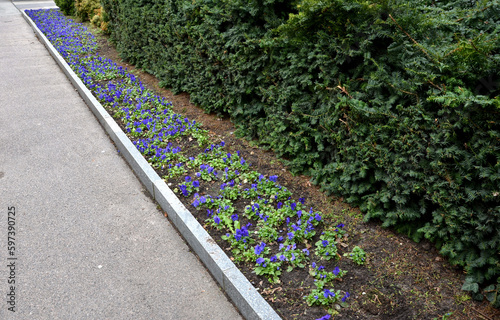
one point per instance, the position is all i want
(401, 280)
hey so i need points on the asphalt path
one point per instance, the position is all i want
(86, 241)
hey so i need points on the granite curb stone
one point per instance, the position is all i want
(246, 298)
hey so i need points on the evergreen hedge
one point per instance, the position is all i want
(66, 6)
(394, 105)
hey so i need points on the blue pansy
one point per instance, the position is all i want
(346, 295)
(336, 271)
(259, 248)
(260, 261)
(327, 293)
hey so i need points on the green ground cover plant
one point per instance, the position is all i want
(392, 104)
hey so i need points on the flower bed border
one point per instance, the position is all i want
(242, 293)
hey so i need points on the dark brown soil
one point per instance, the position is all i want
(401, 280)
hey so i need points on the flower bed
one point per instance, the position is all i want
(259, 222)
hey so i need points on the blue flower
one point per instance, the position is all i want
(324, 243)
(259, 248)
(327, 293)
(260, 261)
(325, 317)
(234, 217)
(290, 235)
(184, 190)
(243, 232)
(336, 271)
(196, 184)
(217, 219)
(273, 178)
(346, 295)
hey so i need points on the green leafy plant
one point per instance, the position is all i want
(446, 316)
(326, 247)
(492, 294)
(66, 6)
(357, 255)
(324, 297)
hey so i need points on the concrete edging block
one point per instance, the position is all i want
(243, 294)
(246, 297)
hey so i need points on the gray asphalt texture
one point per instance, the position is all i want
(89, 242)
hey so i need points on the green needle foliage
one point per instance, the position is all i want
(66, 6)
(393, 104)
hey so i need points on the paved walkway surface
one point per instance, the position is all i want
(88, 242)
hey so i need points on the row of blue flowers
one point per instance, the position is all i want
(273, 232)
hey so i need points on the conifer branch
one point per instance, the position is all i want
(414, 41)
